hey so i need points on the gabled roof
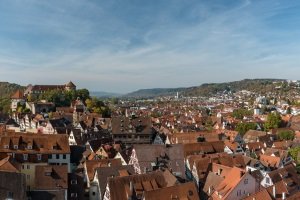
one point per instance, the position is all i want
(212, 182)
(70, 84)
(261, 195)
(272, 161)
(119, 187)
(17, 95)
(230, 182)
(113, 171)
(7, 165)
(51, 177)
(288, 174)
(181, 192)
(91, 165)
(171, 154)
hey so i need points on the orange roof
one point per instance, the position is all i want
(229, 183)
(17, 95)
(6, 165)
(183, 191)
(272, 161)
(261, 195)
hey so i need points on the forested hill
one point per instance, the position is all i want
(207, 89)
(6, 90)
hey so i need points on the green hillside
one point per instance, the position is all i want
(208, 89)
(6, 90)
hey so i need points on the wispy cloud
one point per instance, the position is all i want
(122, 46)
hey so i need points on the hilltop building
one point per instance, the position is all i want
(40, 89)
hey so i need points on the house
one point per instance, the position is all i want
(52, 179)
(133, 186)
(132, 130)
(9, 165)
(76, 186)
(40, 107)
(287, 174)
(161, 157)
(12, 185)
(253, 135)
(261, 195)
(212, 181)
(32, 150)
(233, 147)
(98, 185)
(56, 126)
(40, 89)
(273, 162)
(237, 184)
(91, 165)
(17, 99)
(203, 148)
(183, 191)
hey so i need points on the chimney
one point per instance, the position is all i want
(274, 191)
(283, 196)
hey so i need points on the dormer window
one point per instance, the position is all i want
(15, 146)
(29, 147)
(5, 146)
(25, 156)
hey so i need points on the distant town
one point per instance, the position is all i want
(228, 141)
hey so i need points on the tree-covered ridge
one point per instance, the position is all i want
(208, 89)
(6, 90)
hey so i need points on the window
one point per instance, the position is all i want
(268, 180)
(50, 156)
(246, 181)
(10, 195)
(29, 147)
(6, 146)
(39, 156)
(73, 182)
(15, 146)
(28, 177)
(57, 156)
(73, 194)
(23, 166)
(64, 156)
(25, 156)
(94, 193)
(28, 166)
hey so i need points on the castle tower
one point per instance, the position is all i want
(70, 86)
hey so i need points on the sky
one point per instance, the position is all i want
(124, 45)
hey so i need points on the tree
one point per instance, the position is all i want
(242, 128)
(273, 121)
(286, 135)
(241, 113)
(83, 94)
(97, 106)
(294, 153)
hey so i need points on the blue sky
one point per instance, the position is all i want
(124, 45)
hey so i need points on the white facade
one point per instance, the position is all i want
(60, 159)
(247, 185)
